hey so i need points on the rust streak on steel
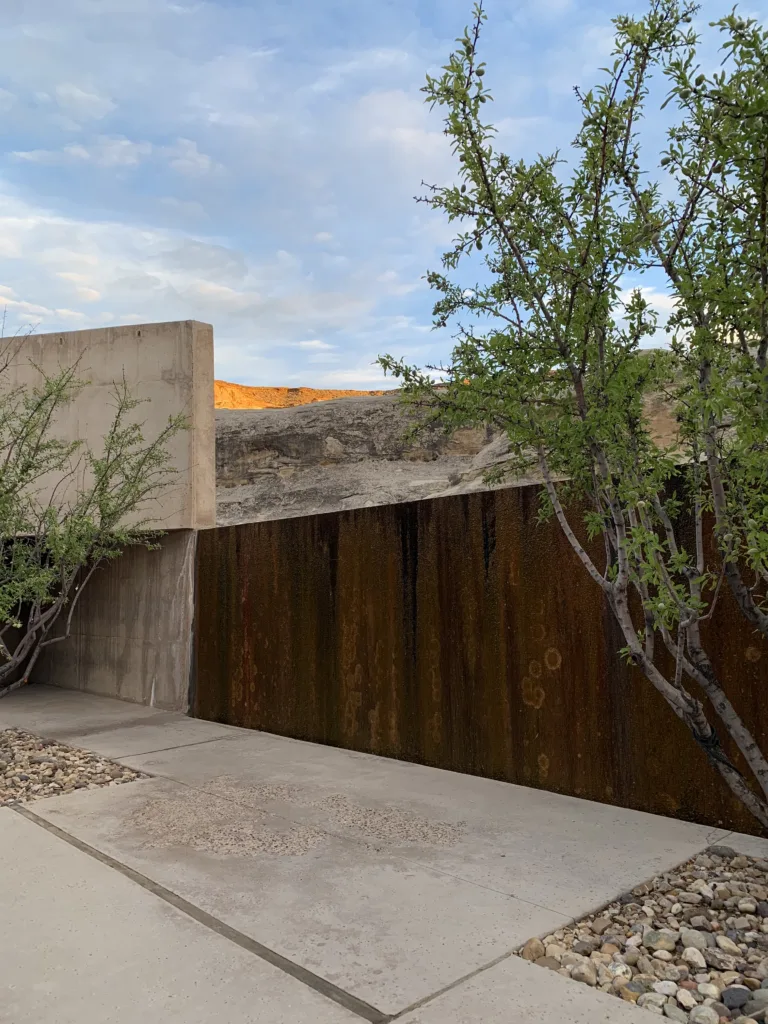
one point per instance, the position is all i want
(455, 632)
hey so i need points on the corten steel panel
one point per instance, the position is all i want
(456, 632)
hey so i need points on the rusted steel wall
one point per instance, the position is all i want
(455, 632)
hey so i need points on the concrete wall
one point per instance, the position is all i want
(132, 629)
(171, 365)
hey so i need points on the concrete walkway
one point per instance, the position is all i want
(256, 878)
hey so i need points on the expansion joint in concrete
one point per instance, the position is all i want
(315, 982)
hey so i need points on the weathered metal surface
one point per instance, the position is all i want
(455, 632)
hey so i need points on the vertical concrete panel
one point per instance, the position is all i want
(132, 629)
(168, 364)
(457, 632)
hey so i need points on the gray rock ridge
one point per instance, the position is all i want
(341, 454)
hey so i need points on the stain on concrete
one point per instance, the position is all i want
(391, 824)
(211, 825)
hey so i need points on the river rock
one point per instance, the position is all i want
(533, 950)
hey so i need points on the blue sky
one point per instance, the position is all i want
(253, 164)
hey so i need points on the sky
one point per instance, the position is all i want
(253, 164)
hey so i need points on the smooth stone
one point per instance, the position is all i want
(632, 991)
(665, 988)
(727, 945)
(548, 961)
(585, 946)
(694, 957)
(674, 1012)
(652, 1000)
(666, 972)
(585, 973)
(703, 1015)
(663, 939)
(735, 996)
(709, 991)
(686, 999)
(619, 970)
(693, 939)
(600, 925)
(533, 950)
(571, 959)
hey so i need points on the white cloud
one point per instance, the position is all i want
(367, 62)
(166, 276)
(323, 236)
(82, 104)
(103, 151)
(394, 285)
(184, 207)
(315, 345)
(361, 377)
(7, 100)
(184, 156)
(399, 122)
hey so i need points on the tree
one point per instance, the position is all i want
(65, 507)
(552, 353)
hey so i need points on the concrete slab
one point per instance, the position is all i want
(48, 710)
(565, 854)
(82, 944)
(380, 926)
(109, 727)
(752, 846)
(517, 991)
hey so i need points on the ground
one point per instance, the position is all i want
(256, 878)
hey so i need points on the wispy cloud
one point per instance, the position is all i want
(255, 165)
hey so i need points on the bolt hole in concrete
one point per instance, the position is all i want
(31, 768)
(691, 945)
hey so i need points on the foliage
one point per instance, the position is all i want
(552, 351)
(65, 508)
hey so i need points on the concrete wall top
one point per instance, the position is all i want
(171, 365)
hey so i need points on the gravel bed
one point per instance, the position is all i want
(690, 946)
(31, 768)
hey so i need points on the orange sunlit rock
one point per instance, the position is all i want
(242, 396)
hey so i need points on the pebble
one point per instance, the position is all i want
(686, 999)
(691, 938)
(32, 768)
(674, 1012)
(691, 945)
(693, 957)
(735, 996)
(585, 973)
(665, 988)
(533, 950)
(704, 1015)
(727, 945)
